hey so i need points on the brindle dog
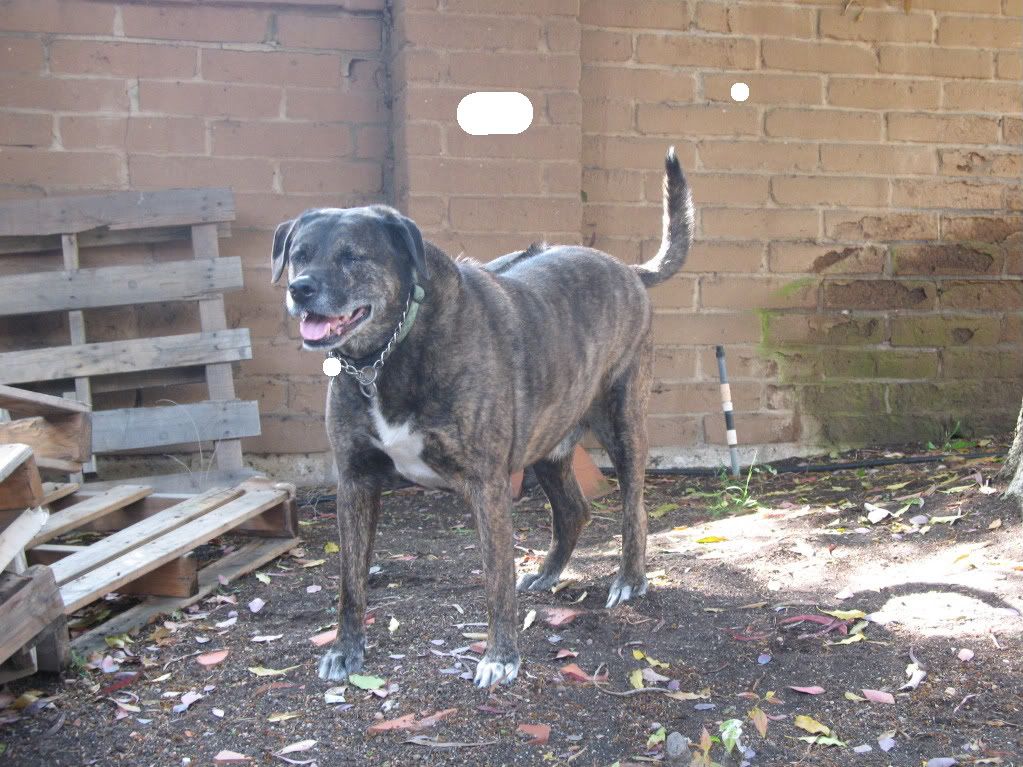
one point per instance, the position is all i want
(457, 374)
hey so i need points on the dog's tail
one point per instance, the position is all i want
(677, 236)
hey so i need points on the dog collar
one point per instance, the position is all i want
(366, 374)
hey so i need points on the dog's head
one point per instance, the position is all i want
(349, 274)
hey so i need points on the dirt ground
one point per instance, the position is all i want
(934, 562)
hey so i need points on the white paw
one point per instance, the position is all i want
(490, 672)
(622, 591)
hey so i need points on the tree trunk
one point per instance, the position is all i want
(1014, 462)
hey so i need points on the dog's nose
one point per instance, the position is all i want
(303, 288)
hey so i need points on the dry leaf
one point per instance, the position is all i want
(212, 658)
(879, 696)
(560, 616)
(759, 719)
(813, 690)
(811, 725)
(530, 617)
(539, 733)
(225, 756)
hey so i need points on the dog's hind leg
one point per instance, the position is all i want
(570, 513)
(619, 422)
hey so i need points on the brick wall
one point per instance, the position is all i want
(283, 101)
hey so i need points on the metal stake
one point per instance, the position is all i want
(726, 406)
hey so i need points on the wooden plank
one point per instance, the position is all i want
(58, 464)
(57, 491)
(82, 512)
(219, 378)
(185, 482)
(64, 437)
(177, 578)
(29, 603)
(48, 553)
(76, 326)
(101, 552)
(20, 486)
(246, 559)
(53, 647)
(14, 538)
(118, 285)
(104, 238)
(149, 556)
(132, 428)
(120, 210)
(79, 361)
(22, 402)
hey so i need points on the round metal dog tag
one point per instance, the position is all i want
(331, 366)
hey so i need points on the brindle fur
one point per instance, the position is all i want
(505, 367)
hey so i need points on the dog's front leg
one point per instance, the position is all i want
(491, 506)
(358, 507)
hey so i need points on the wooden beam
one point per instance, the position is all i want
(177, 578)
(20, 486)
(22, 402)
(132, 428)
(185, 482)
(57, 491)
(64, 437)
(81, 360)
(120, 210)
(246, 559)
(101, 552)
(15, 537)
(73, 517)
(29, 604)
(104, 238)
(76, 326)
(118, 285)
(149, 556)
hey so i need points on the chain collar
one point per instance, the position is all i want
(367, 374)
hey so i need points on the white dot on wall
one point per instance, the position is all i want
(740, 91)
(488, 113)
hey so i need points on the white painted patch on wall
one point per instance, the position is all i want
(404, 447)
(490, 113)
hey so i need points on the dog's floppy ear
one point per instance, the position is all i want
(412, 239)
(279, 256)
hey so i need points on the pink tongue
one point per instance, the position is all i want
(314, 329)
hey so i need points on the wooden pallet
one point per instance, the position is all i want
(70, 224)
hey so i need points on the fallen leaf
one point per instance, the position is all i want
(323, 638)
(688, 695)
(821, 740)
(846, 615)
(257, 604)
(859, 637)
(422, 740)
(313, 563)
(217, 712)
(261, 671)
(393, 625)
(811, 725)
(572, 672)
(879, 696)
(364, 682)
(636, 679)
(538, 733)
(267, 637)
(408, 722)
(283, 717)
(263, 578)
(711, 539)
(813, 690)
(212, 658)
(886, 743)
(965, 654)
(649, 675)
(560, 616)
(565, 653)
(875, 513)
(995, 524)
(226, 624)
(530, 617)
(942, 761)
(331, 548)
(187, 700)
(663, 509)
(478, 647)
(302, 745)
(759, 719)
(224, 757)
(335, 695)
(312, 589)
(854, 697)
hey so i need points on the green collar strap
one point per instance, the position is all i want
(415, 301)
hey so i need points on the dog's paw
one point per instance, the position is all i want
(338, 663)
(537, 582)
(623, 589)
(491, 670)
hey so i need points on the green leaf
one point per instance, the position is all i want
(657, 737)
(263, 578)
(663, 509)
(331, 548)
(117, 640)
(367, 682)
(636, 679)
(711, 539)
(731, 731)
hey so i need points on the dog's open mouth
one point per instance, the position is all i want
(317, 327)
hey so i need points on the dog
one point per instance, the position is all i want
(456, 374)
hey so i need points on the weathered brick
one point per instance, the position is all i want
(512, 215)
(744, 223)
(742, 257)
(959, 6)
(562, 35)
(846, 397)
(214, 25)
(829, 190)
(601, 185)
(980, 162)
(1012, 7)
(438, 175)
(562, 178)
(531, 8)
(1012, 131)
(716, 188)
(154, 172)
(643, 14)
(564, 108)
(823, 124)
(466, 32)
(828, 57)
(25, 130)
(879, 363)
(329, 104)
(984, 97)
(632, 152)
(622, 219)
(21, 54)
(672, 363)
(732, 292)
(125, 59)
(649, 85)
(765, 88)
(602, 117)
(754, 428)
(772, 20)
(101, 170)
(280, 139)
(1009, 65)
(272, 67)
(264, 210)
(677, 293)
(879, 294)
(940, 330)
(958, 228)
(55, 17)
(883, 160)
(961, 194)
(757, 155)
(742, 362)
(686, 50)
(372, 142)
(331, 178)
(943, 259)
(135, 134)
(975, 363)
(945, 398)
(71, 94)
(821, 259)
(603, 45)
(701, 397)
(209, 99)
(705, 328)
(711, 17)
(547, 142)
(419, 139)
(670, 430)
(978, 32)
(890, 25)
(884, 93)
(936, 61)
(959, 129)
(981, 296)
(840, 225)
(514, 70)
(672, 120)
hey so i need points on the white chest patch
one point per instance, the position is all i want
(405, 448)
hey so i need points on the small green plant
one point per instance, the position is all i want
(736, 498)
